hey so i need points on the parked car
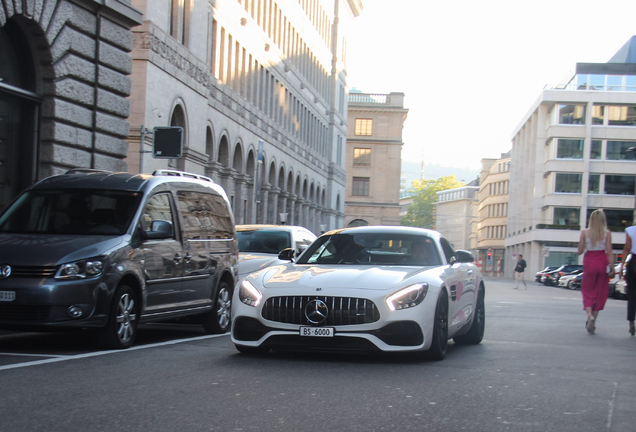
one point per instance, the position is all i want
(551, 278)
(539, 274)
(565, 281)
(576, 282)
(383, 288)
(616, 285)
(259, 245)
(106, 251)
(620, 290)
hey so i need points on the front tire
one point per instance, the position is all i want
(219, 319)
(123, 317)
(476, 332)
(439, 345)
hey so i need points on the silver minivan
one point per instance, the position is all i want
(102, 250)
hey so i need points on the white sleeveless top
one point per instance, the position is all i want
(631, 231)
(599, 246)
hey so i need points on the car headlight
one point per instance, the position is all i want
(80, 269)
(407, 297)
(249, 295)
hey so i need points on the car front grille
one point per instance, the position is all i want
(342, 310)
(24, 313)
(32, 272)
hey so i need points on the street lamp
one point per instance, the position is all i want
(283, 218)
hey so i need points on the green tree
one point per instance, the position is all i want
(421, 212)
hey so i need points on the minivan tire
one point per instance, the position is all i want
(219, 319)
(123, 317)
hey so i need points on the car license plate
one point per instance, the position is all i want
(317, 331)
(7, 295)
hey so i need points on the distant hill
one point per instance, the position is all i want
(413, 171)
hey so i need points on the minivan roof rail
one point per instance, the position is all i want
(176, 173)
(86, 171)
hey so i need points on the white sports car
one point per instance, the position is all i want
(384, 288)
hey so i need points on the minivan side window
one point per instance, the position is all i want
(205, 216)
(157, 208)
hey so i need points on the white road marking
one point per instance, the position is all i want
(101, 353)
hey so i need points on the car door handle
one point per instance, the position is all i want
(470, 272)
(177, 259)
(188, 257)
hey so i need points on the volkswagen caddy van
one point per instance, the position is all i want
(107, 251)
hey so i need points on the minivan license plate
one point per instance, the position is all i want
(7, 295)
(317, 331)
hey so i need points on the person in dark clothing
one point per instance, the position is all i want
(629, 260)
(519, 270)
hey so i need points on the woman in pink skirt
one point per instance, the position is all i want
(596, 242)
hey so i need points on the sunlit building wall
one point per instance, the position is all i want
(455, 215)
(237, 73)
(570, 156)
(373, 158)
(493, 213)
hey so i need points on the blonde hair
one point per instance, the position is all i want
(598, 226)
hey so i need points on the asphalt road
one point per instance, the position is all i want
(536, 370)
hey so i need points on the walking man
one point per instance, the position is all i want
(519, 269)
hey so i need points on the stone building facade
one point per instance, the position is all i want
(64, 82)
(259, 88)
(456, 214)
(570, 156)
(494, 181)
(373, 161)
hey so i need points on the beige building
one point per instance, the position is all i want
(493, 213)
(259, 88)
(456, 215)
(570, 156)
(373, 158)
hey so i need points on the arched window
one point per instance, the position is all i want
(179, 119)
(19, 111)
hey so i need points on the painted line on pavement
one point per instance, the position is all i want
(101, 353)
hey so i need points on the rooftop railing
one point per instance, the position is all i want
(367, 98)
(590, 87)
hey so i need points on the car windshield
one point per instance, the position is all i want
(81, 212)
(263, 241)
(372, 249)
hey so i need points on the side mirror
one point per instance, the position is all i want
(160, 229)
(287, 254)
(463, 256)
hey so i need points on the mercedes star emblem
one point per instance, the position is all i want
(316, 311)
(5, 271)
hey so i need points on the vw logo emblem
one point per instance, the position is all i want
(316, 311)
(5, 271)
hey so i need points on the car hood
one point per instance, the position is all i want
(299, 277)
(250, 262)
(49, 250)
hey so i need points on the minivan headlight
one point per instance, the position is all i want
(407, 297)
(80, 269)
(249, 295)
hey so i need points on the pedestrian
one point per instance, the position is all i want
(629, 260)
(519, 270)
(598, 263)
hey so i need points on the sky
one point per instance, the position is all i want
(471, 70)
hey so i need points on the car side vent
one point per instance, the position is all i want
(341, 310)
(176, 173)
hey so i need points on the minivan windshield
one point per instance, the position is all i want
(80, 211)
